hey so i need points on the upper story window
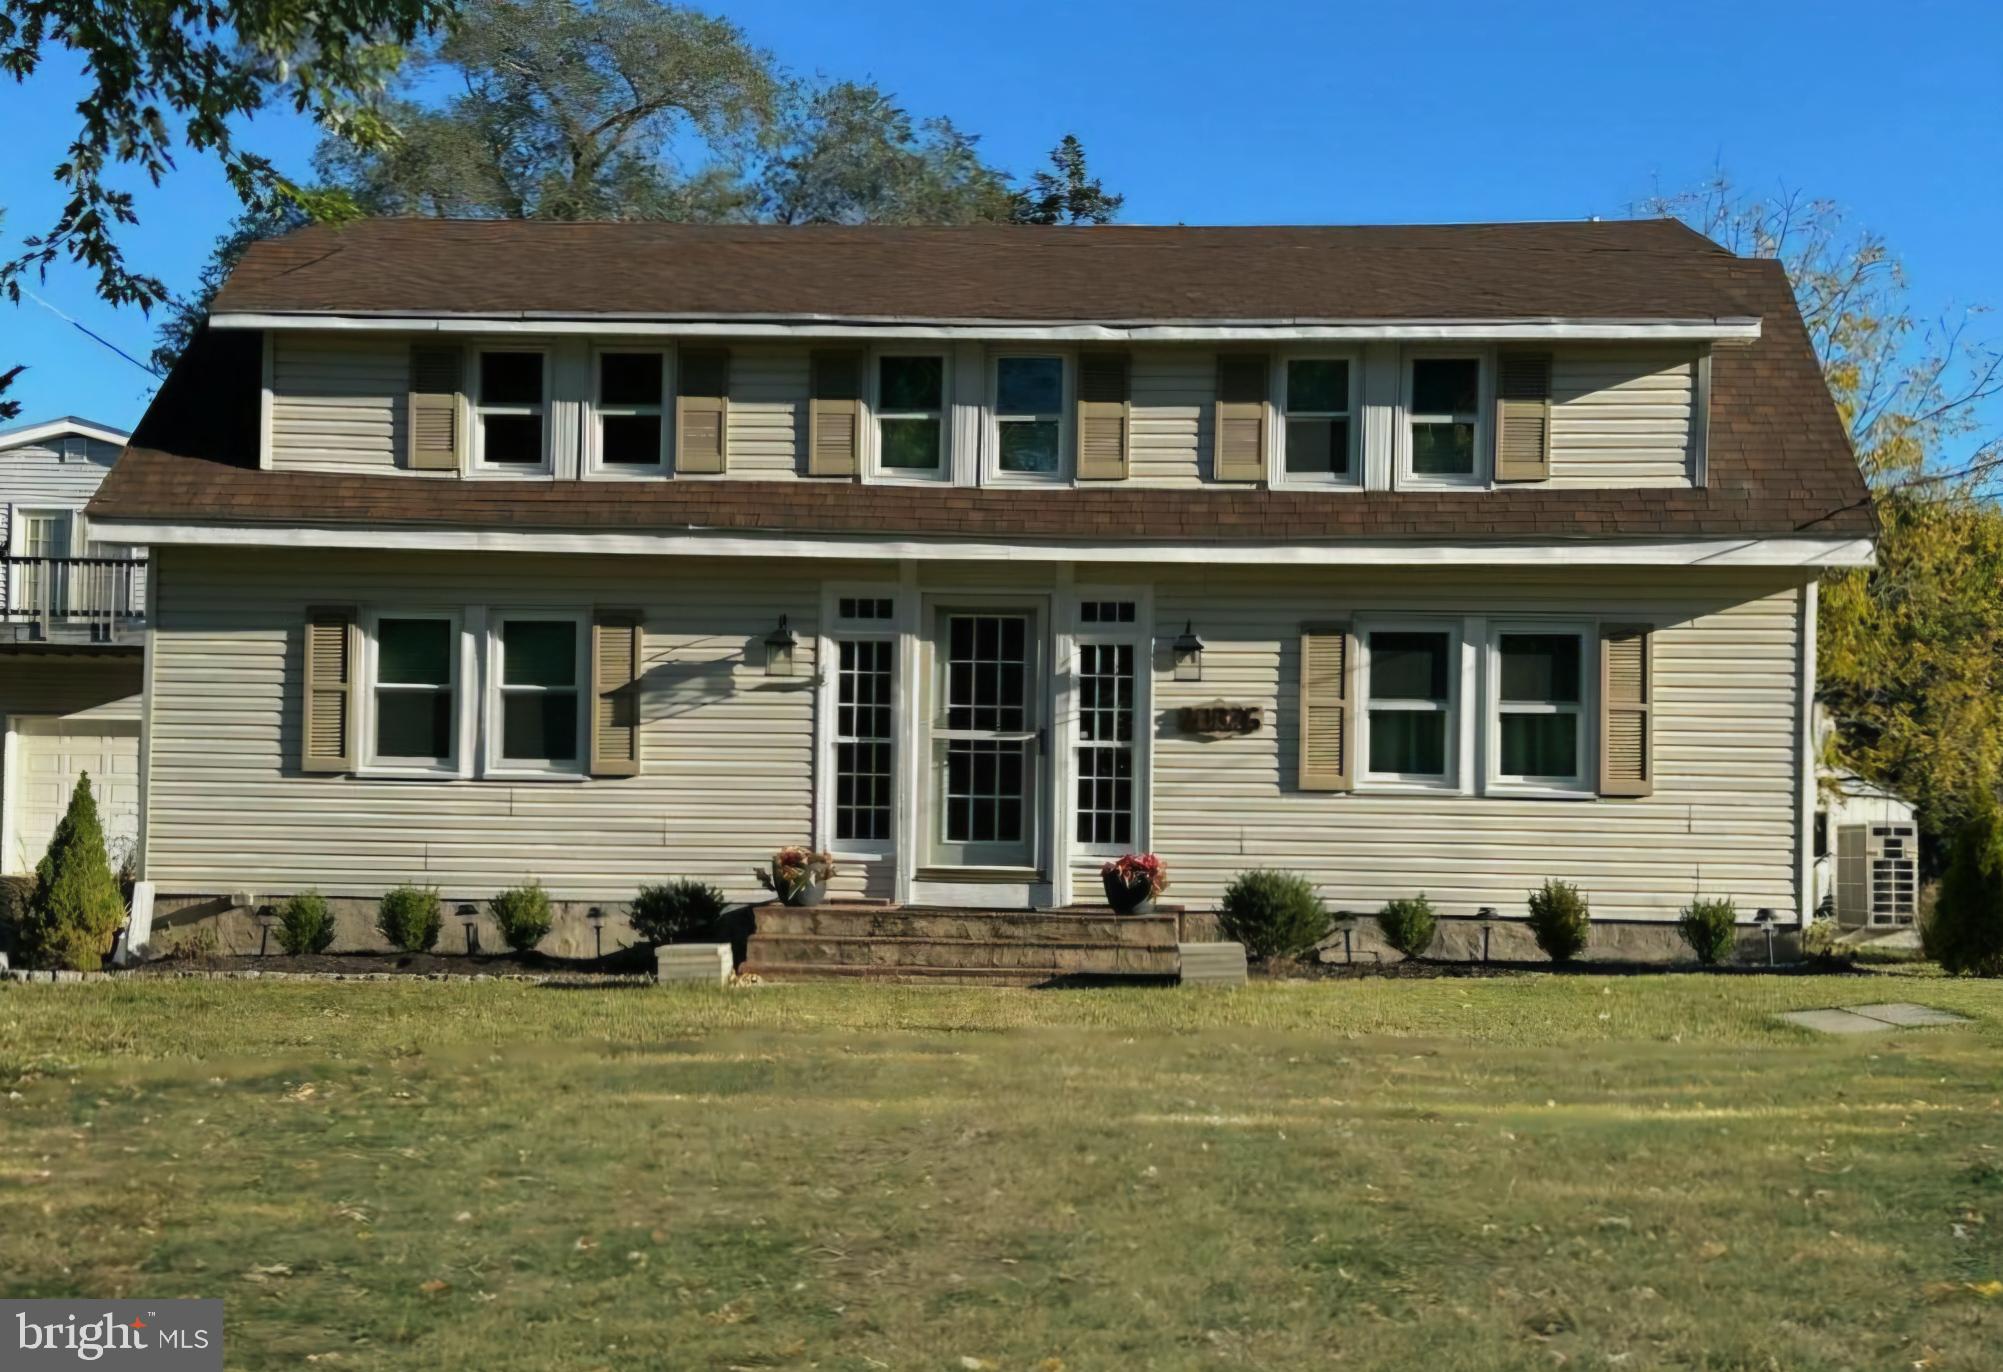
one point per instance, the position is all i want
(510, 411)
(1029, 418)
(1320, 413)
(911, 415)
(631, 435)
(1445, 433)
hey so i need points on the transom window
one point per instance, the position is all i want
(1443, 406)
(1411, 682)
(1105, 752)
(865, 608)
(1540, 701)
(865, 751)
(538, 680)
(630, 431)
(1318, 417)
(1029, 415)
(1106, 612)
(416, 691)
(911, 414)
(510, 409)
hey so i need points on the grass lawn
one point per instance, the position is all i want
(1623, 1172)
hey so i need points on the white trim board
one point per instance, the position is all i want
(1727, 330)
(1805, 552)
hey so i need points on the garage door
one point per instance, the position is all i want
(49, 756)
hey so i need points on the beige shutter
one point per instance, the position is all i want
(834, 414)
(435, 428)
(1328, 707)
(702, 406)
(1239, 437)
(1627, 700)
(1104, 420)
(1523, 417)
(327, 704)
(615, 701)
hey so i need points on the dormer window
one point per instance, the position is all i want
(631, 435)
(513, 400)
(911, 415)
(1320, 431)
(1445, 434)
(1029, 417)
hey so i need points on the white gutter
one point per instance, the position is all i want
(1788, 551)
(1728, 330)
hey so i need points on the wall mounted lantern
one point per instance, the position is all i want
(780, 646)
(1188, 650)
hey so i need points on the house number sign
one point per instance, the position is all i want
(1220, 720)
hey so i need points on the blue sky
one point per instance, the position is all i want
(1276, 113)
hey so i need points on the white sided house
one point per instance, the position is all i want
(1428, 559)
(72, 621)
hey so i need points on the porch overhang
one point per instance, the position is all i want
(1810, 552)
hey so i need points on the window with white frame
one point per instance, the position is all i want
(538, 672)
(631, 434)
(1319, 411)
(414, 692)
(1411, 683)
(1540, 692)
(1108, 685)
(510, 409)
(865, 771)
(1443, 419)
(1029, 416)
(911, 415)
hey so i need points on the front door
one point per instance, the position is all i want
(986, 751)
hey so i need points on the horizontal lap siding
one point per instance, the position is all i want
(33, 477)
(1722, 820)
(728, 752)
(1621, 417)
(336, 403)
(1171, 390)
(768, 392)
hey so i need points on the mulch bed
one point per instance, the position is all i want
(621, 965)
(1426, 969)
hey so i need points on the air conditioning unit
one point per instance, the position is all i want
(1877, 875)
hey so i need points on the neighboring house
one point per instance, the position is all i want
(1867, 852)
(1426, 559)
(71, 627)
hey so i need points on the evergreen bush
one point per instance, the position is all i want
(75, 909)
(522, 912)
(1711, 928)
(1274, 914)
(676, 910)
(305, 924)
(410, 917)
(1409, 925)
(1560, 919)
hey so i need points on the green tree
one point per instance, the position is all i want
(75, 909)
(185, 314)
(174, 75)
(1964, 933)
(570, 111)
(1067, 194)
(1909, 649)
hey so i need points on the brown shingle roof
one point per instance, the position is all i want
(1626, 269)
(1779, 463)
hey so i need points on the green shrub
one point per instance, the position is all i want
(305, 924)
(676, 910)
(1711, 928)
(1560, 919)
(410, 917)
(1964, 933)
(522, 912)
(1409, 925)
(1274, 914)
(74, 911)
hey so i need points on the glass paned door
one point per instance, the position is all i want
(986, 737)
(40, 585)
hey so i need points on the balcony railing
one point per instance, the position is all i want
(72, 599)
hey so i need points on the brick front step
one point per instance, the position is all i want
(1012, 947)
(863, 922)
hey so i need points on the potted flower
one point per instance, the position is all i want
(798, 876)
(1133, 882)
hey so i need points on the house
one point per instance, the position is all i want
(1435, 559)
(1867, 852)
(71, 626)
